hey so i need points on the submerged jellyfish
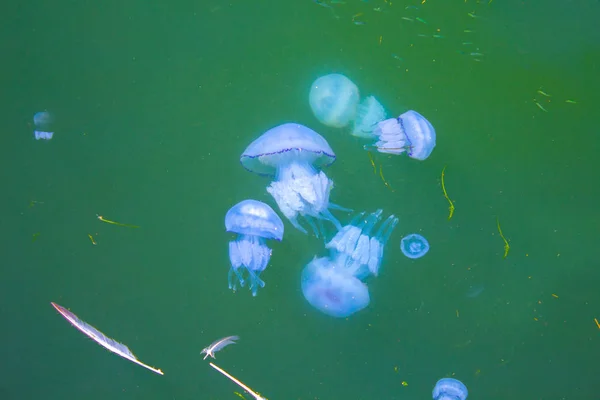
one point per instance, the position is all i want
(369, 113)
(254, 222)
(414, 246)
(294, 154)
(355, 250)
(43, 121)
(333, 284)
(331, 290)
(333, 99)
(410, 133)
(450, 389)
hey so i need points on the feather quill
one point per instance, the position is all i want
(100, 338)
(218, 345)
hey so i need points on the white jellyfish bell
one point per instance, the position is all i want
(43, 125)
(294, 155)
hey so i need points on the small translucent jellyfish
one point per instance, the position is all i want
(254, 222)
(43, 125)
(332, 291)
(333, 99)
(414, 246)
(294, 155)
(355, 250)
(450, 389)
(410, 133)
(369, 113)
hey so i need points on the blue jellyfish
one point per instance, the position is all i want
(355, 250)
(450, 389)
(331, 290)
(294, 154)
(414, 246)
(333, 284)
(369, 113)
(333, 99)
(410, 133)
(254, 222)
(43, 121)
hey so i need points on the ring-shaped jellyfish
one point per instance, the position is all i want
(410, 133)
(414, 246)
(331, 290)
(450, 389)
(369, 113)
(357, 251)
(333, 99)
(294, 155)
(254, 222)
(43, 125)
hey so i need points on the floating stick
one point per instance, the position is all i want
(102, 339)
(506, 245)
(101, 218)
(451, 208)
(240, 384)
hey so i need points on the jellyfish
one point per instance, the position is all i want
(369, 113)
(410, 133)
(294, 154)
(331, 290)
(254, 222)
(333, 99)
(357, 251)
(43, 121)
(450, 389)
(414, 246)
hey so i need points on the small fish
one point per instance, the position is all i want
(438, 36)
(468, 31)
(359, 22)
(407, 19)
(218, 345)
(544, 93)
(322, 4)
(571, 101)
(421, 20)
(476, 54)
(467, 43)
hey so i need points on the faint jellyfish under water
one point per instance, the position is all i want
(410, 133)
(450, 389)
(333, 99)
(43, 125)
(369, 113)
(414, 246)
(294, 155)
(254, 222)
(331, 290)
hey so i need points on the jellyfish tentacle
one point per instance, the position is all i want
(334, 206)
(385, 230)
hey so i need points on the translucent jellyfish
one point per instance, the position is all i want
(333, 99)
(414, 246)
(355, 250)
(450, 389)
(331, 290)
(254, 222)
(369, 113)
(43, 125)
(410, 133)
(294, 154)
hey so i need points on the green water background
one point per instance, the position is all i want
(154, 103)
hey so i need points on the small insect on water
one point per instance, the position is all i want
(218, 345)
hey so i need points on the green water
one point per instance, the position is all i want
(154, 103)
